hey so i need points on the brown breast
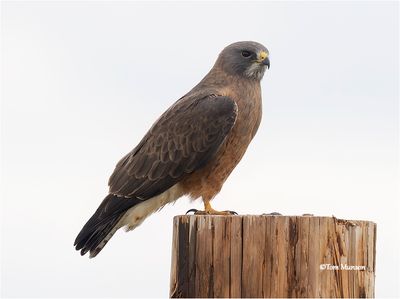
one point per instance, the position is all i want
(208, 181)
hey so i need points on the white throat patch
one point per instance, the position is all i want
(255, 71)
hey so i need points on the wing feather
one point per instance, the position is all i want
(182, 140)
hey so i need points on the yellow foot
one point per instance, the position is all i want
(208, 210)
(211, 212)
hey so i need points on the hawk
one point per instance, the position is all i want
(190, 150)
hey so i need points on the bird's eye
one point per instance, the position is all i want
(246, 54)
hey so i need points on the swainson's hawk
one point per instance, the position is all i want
(190, 150)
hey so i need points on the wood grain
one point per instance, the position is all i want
(272, 257)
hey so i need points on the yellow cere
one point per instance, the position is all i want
(262, 55)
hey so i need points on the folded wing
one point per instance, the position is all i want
(182, 140)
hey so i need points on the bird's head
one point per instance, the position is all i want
(248, 59)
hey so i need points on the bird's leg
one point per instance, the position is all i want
(208, 210)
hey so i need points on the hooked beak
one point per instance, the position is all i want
(266, 62)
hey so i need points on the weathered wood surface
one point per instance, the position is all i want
(272, 256)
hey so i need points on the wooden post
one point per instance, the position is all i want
(272, 256)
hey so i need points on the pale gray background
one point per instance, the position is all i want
(82, 82)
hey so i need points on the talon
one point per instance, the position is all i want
(208, 210)
(197, 212)
(212, 212)
(231, 212)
